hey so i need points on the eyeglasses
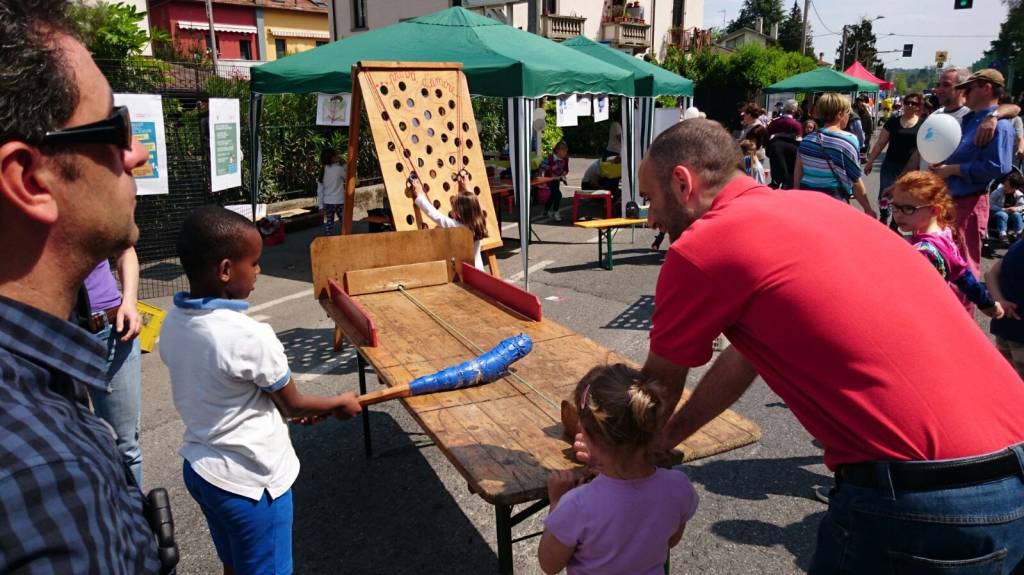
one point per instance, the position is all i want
(908, 210)
(115, 130)
(912, 103)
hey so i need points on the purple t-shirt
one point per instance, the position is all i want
(623, 526)
(102, 288)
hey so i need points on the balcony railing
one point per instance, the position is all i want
(690, 39)
(560, 28)
(627, 34)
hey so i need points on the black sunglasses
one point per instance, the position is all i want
(912, 103)
(908, 210)
(115, 130)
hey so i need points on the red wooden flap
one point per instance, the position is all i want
(502, 291)
(354, 312)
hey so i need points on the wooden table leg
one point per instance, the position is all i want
(366, 411)
(492, 263)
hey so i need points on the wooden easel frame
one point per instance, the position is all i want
(354, 141)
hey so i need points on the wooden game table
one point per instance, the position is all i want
(411, 304)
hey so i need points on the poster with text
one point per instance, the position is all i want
(566, 110)
(600, 107)
(147, 112)
(225, 144)
(333, 109)
(583, 104)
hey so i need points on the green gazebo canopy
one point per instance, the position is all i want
(498, 60)
(650, 80)
(822, 80)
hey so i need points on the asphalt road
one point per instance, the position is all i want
(408, 510)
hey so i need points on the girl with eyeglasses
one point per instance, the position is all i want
(900, 135)
(633, 512)
(922, 206)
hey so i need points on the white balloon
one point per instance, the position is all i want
(938, 138)
(538, 124)
(691, 113)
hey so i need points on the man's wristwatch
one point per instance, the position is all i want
(994, 114)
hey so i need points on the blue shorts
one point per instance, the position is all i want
(250, 536)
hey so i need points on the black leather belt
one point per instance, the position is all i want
(95, 322)
(931, 475)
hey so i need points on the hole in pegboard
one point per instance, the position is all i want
(437, 92)
(484, 212)
(397, 104)
(440, 163)
(469, 144)
(451, 104)
(444, 138)
(469, 175)
(451, 215)
(415, 122)
(447, 187)
(451, 160)
(433, 174)
(430, 149)
(476, 190)
(391, 146)
(431, 132)
(384, 115)
(424, 226)
(465, 160)
(410, 102)
(424, 92)
(437, 204)
(458, 142)
(407, 153)
(402, 126)
(415, 139)
(441, 110)
(409, 219)
(451, 126)
(465, 126)
(384, 90)
(427, 115)
(401, 86)
(419, 162)
(426, 187)
(399, 167)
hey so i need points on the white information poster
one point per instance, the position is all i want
(600, 107)
(566, 110)
(333, 109)
(582, 104)
(664, 118)
(225, 144)
(147, 112)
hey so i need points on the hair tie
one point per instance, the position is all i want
(583, 397)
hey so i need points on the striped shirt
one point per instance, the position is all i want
(842, 151)
(67, 504)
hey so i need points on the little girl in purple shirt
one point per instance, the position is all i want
(922, 206)
(632, 513)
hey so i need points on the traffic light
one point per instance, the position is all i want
(908, 50)
(963, 4)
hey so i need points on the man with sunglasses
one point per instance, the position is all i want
(971, 167)
(67, 198)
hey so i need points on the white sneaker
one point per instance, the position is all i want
(556, 216)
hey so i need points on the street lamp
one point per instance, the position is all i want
(856, 48)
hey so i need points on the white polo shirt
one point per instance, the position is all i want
(224, 365)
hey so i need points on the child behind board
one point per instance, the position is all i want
(631, 514)
(330, 190)
(751, 165)
(554, 169)
(922, 206)
(465, 212)
(233, 389)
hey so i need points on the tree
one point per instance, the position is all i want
(1008, 49)
(860, 46)
(111, 31)
(770, 10)
(791, 32)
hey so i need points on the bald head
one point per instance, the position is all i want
(703, 146)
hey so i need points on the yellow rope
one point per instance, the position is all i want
(468, 343)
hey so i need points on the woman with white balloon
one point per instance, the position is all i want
(900, 135)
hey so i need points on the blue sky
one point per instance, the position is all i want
(947, 28)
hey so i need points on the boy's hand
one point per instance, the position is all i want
(994, 312)
(559, 483)
(347, 406)
(1009, 309)
(416, 185)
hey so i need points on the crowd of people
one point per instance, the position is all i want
(927, 446)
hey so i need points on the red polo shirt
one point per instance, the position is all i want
(845, 322)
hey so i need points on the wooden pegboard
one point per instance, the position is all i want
(422, 119)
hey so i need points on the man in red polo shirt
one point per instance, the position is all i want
(920, 416)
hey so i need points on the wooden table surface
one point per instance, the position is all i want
(611, 223)
(504, 438)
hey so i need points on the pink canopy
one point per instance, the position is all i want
(858, 71)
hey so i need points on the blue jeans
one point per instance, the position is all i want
(1003, 218)
(977, 529)
(887, 176)
(253, 537)
(121, 404)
